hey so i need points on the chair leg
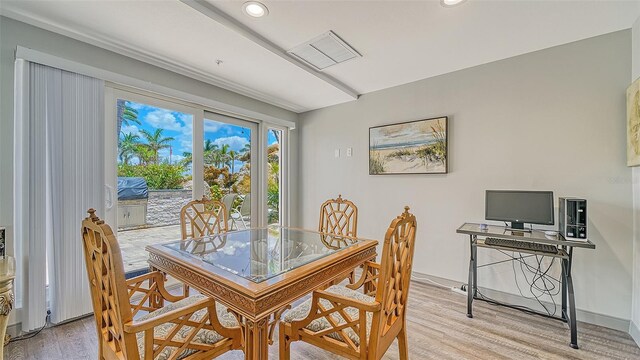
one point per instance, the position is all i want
(283, 344)
(403, 346)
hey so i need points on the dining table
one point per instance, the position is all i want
(258, 273)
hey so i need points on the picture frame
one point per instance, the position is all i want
(411, 147)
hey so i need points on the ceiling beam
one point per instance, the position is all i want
(222, 18)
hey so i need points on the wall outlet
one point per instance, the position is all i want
(349, 152)
(459, 290)
(336, 153)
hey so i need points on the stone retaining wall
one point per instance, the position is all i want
(164, 206)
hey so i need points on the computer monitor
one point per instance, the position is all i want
(519, 207)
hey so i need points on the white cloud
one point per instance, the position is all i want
(163, 119)
(130, 129)
(187, 129)
(185, 118)
(186, 145)
(235, 143)
(211, 126)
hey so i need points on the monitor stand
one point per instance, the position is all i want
(518, 227)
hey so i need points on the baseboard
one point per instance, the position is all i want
(13, 330)
(634, 331)
(581, 315)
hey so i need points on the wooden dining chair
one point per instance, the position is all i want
(203, 217)
(200, 218)
(172, 327)
(338, 217)
(355, 324)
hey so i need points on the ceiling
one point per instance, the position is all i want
(400, 41)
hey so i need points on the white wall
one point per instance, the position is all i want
(548, 120)
(634, 327)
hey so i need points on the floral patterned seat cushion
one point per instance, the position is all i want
(203, 336)
(301, 311)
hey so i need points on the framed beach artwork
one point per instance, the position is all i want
(414, 147)
(633, 124)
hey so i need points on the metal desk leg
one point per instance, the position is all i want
(563, 313)
(474, 249)
(566, 271)
(471, 285)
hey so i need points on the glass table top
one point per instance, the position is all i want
(260, 254)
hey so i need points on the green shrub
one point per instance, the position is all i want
(216, 192)
(158, 176)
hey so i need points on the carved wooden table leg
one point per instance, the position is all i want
(256, 339)
(275, 321)
(7, 273)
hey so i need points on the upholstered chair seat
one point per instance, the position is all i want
(203, 336)
(301, 311)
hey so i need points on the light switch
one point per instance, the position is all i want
(336, 153)
(349, 152)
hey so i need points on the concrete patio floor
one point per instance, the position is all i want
(133, 244)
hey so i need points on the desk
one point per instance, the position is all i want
(257, 273)
(565, 254)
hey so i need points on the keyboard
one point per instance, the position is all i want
(521, 245)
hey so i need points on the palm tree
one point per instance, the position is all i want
(233, 156)
(209, 145)
(224, 155)
(126, 115)
(156, 142)
(128, 147)
(187, 158)
(144, 154)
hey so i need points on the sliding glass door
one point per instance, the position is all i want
(149, 171)
(161, 154)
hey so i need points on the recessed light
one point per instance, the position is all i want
(256, 9)
(451, 3)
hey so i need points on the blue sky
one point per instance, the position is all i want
(180, 126)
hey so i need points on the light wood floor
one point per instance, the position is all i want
(438, 329)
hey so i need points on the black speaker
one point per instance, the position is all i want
(572, 218)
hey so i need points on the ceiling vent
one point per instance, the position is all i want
(324, 51)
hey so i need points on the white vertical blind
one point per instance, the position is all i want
(64, 140)
(30, 209)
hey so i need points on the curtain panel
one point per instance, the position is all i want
(59, 161)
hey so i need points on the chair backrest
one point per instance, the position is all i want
(339, 216)
(203, 217)
(245, 208)
(108, 286)
(395, 272)
(228, 200)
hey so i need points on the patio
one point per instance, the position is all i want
(133, 243)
